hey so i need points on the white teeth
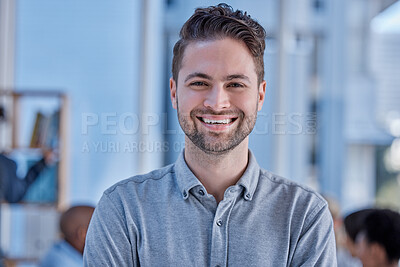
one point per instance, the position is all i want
(226, 121)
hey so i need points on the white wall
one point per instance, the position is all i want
(91, 51)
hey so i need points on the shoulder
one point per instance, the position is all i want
(126, 199)
(297, 204)
(155, 178)
(290, 191)
(61, 253)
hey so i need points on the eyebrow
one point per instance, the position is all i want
(208, 77)
(237, 76)
(199, 75)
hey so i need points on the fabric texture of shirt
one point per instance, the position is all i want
(167, 218)
(62, 254)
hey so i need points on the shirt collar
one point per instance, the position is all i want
(249, 179)
(184, 176)
(187, 180)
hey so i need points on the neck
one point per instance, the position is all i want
(217, 171)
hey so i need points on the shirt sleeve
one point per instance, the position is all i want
(316, 245)
(108, 242)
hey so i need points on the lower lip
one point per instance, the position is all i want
(218, 127)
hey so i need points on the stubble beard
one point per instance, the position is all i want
(214, 142)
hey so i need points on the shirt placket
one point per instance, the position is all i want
(219, 239)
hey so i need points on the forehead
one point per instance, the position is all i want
(214, 57)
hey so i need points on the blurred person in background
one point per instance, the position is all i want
(69, 252)
(378, 242)
(13, 188)
(353, 224)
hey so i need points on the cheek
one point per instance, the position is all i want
(188, 100)
(245, 102)
(362, 252)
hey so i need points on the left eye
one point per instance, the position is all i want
(235, 85)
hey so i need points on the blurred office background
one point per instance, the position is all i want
(331, 119)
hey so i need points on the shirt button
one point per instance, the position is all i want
(184, 194)
(219, 222)
(247, 196)
(201, 192)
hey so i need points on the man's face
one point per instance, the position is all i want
(217, 94)
(370, 254)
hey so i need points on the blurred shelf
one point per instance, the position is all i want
(29, 227)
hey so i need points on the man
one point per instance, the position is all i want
(378, 243)
(215, 206)
(68, 252)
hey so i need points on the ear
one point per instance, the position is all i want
(261, 94)
(172, 88)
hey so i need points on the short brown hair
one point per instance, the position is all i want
(217, 22)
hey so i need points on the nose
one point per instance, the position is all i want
(217, 98)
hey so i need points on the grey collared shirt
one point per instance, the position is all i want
(167, 218)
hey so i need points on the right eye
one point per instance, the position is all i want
(198, 84)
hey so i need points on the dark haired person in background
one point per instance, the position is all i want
(215, 206)
(378, 243)
(353, 224)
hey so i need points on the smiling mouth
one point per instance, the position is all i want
(217, 122)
